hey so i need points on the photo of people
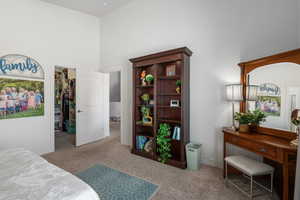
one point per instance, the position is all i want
(21, 98)
(269, 105)
(269, 99)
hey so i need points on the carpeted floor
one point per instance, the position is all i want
(175, 184)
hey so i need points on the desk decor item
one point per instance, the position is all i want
(249, 119)
(244, 120)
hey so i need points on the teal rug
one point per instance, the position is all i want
(111, 184)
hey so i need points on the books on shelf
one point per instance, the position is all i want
(176, 133)
(140, 142)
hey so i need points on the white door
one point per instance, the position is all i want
(92, 105)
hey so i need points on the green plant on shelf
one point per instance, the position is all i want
(178, 84)
(149, 78)
(146, 98)
(163, 141)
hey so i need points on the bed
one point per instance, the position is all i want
(26, 176)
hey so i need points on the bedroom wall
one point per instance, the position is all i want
(220, 33)
(298, 23)
(51, 35)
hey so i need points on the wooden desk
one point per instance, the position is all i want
(270, 147)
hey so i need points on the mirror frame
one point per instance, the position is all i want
(292, 56)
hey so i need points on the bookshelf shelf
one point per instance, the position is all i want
(168, 78)
(144, 86)
(170, 121)
(168, 107)
(169, 94)
(166, 67)
(145, 135)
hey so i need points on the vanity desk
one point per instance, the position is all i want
(270, 147)
(278, 96)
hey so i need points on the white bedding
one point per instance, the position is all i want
(26, 176)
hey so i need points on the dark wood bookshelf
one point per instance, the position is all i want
(145, 86)
(169, 94)
(169, 78)
(161, 92)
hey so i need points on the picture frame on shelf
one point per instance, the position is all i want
(174, 103)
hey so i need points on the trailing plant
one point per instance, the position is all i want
(178, 83)
(243, 118)
(163, 141)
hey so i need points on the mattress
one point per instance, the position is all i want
(26, 176)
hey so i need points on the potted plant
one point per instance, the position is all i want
(146, 98)
(149, 78)
(257, 117)
(178, 84)
(163, 141)
(244, 120)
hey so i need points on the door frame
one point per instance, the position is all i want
(53, 100)
(122, 90)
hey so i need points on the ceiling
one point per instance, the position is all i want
(93, 7)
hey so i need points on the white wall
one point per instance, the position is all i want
(53, 36)
(298, 23)
(220, 33)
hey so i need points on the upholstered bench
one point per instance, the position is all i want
(250, 168)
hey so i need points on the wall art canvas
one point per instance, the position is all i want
(21, 98)
(269, 99)
(21, 87)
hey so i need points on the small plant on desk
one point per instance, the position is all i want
(244, 120)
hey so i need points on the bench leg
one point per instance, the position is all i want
(226, 173)
(272, 177)
(251, 188)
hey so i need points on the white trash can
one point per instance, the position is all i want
(193, 156)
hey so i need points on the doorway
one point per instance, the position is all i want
(65, 108)
(115, 104)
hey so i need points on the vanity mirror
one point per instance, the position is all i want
(278, 93)
(277, 78)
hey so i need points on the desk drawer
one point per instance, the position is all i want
(262, 149)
